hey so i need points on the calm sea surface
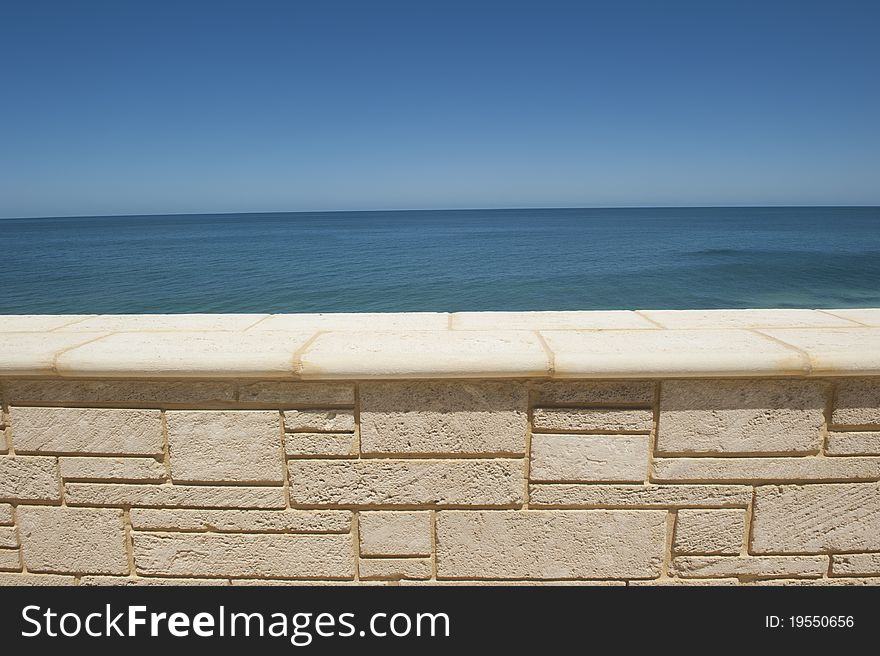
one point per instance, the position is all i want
(567, 259)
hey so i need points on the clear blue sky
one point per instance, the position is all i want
(151, 107)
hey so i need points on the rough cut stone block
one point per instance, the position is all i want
(443, 417)
(684, 583)
(216, 446)
(124, 581)
(339, 445)
(29, 478)
(596, 458)
(83, 431)
(173, 496)
(110, 468)
(6, 518)
(820, 582)
(72, 540)
(114, 392)
(857, 402)
(395, 569)
(715, 532)
(753, 416)
(853, 444)
(592, 419)
(32, 580)
(8, 537)
(867, 564)
(471, 482)
(286, 394)
(816, 518)
(639, 496)
(751, 566)
(244, 555)
(627, 392)
(395, 533)
(10, 560)
(551, 544)
(760, 470)
(319, 421)
(242, 521)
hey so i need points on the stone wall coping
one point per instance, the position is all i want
(576, 344)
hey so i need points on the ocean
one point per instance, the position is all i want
(521, 259)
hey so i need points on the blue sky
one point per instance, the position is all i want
(160, 107)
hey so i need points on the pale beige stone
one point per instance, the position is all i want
(550, 320)
(636, 393)
(33, 353)
(397, 533)
(244, 555)
(443, 417)
(215, 446)
(8, 537)
(29, 478)
(470, 482)
(319, 421)
(833, 351)
(285, 394)
(756, 416)
(38, 323)
(118, 392)
(6, 516)
(34, 580)
(551, 544)
(395, 569)
(305, 583)
(184, 355)
(709, 532)
(594, 458)
(793, 318)
(751, 566)
(125, 581)
(820, 582)
(424, 354)
(481, 583)
(355, 321)
(592, 419)
(684, 583)
(173, 496)
(857, 402)
(670, 353)
(242, 521)
(816, 518)
(165, 322)
(860, 443)
(321, 445)
(72, 540)
(82, 431)
(639, 496)
(109, 468)
(865, 564)
(761, 470)
(10, 560)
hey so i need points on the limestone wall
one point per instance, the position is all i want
(637, 480)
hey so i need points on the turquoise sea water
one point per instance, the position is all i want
(552, 259)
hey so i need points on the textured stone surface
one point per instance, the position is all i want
(751, 566)
(856, 565)
(240, 521)
(857, 402)
(29, 478)
(820, 582)
(395, 569)
(442, 417)
(117, 392)
(741, 416)
(643, 496)
(72, 540)
(760, 470)
(324, 445)
(398, 533)
(607, 458)
(219, 446)
(547, 544)
(10, 560)
(287, 394)
(853, 444)
(715, 532)
(173, 496)
(497, 482)
(319, 421)
(8, 537)
(111, 468)
(816, 518)
(685, 583)
(125, 581)
(618, 392)
(30, 580)
(245, 555)
(86, 430)
(6, 517)
(592, 419)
